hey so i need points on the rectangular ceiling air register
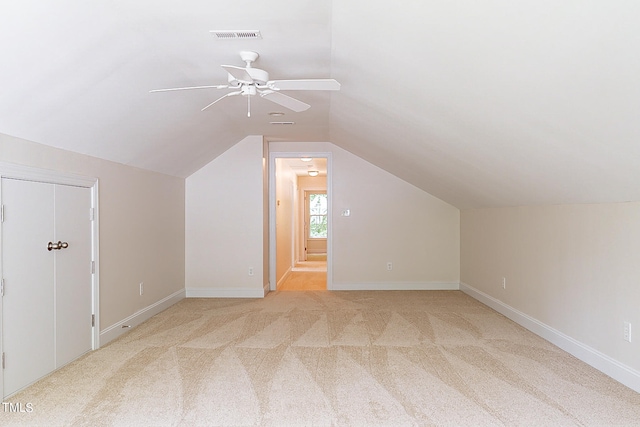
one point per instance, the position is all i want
(236, 34)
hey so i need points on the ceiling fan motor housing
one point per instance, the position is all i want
(248, 90)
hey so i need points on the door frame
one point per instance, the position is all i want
(28, 173)
(272, 210)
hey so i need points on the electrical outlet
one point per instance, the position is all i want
(389, 266)
(141, 288)
(250, 271)
(627, 331)
(504, 283)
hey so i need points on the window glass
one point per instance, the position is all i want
(317, 215)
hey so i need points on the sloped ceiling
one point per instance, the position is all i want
(480, 103)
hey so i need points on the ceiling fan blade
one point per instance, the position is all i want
(238, 73)
(285, 101)
(304, 84)
(222, 97)
(190, 87)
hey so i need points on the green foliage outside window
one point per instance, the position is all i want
(317, 215)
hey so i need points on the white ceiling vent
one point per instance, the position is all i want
(236, 34)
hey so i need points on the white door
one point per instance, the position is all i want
(27, 308)
(73, 273)
(46, 307)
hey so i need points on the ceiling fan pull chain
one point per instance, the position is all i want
(249, 106)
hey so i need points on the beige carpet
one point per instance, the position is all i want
(304, 281)
(328, 358)
(310, 266)
(316, 257)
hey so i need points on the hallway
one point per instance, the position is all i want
(306, 276)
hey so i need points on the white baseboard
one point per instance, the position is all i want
(225, 293)
(114, 331)
(605, 364)
(310, 269)
(283, 278)
(398, 286)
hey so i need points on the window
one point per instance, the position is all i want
(317, 215)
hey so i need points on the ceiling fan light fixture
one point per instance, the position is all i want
(313, 173)
(248, 90)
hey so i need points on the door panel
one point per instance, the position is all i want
(27, 309)
(73, 273)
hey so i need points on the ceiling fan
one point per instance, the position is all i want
(248, 81)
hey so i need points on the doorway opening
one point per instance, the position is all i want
(300, 223)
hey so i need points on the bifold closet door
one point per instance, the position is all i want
(46, 307)
(72, 273)
(27, 305)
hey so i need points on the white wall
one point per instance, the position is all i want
(285, 191)
(225, 224)
(141, 230)
(574, 270)
(390, 220)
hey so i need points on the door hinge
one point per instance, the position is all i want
(3, 360)
(2, 213)
(2, 287)
(92, 214)
(93, 267)
(93, 320)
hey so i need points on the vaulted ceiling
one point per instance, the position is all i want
(480, 103)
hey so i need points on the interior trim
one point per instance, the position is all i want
(605, 364)
(117, 329)
(397, 286)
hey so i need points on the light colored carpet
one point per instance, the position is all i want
(316, 257)
(328, 358)
(310, 266)
(304, 281)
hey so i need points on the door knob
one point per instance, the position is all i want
(58, 246)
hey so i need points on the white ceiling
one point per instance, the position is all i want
(481, 103)
(302, 168)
